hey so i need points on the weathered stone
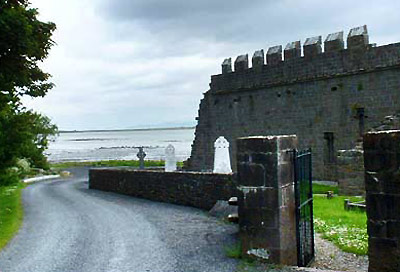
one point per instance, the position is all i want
(383, 199)
(312, 47)
(222, 209)
(200, 190)
(292, 50)
(227, 66)
(351, 178)
(303, 97)
(266, 198)
(258, 59)
(334, 42)
(358, 38)
(274, 55)
(242, 63)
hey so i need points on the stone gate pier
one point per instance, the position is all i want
(382, 182)
(266, 200)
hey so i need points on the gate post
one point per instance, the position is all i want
(382, 183)
(267, 219)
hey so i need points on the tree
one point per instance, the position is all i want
(24, 42)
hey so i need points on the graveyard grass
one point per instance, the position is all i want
(346, 229)
(323, 189)
(11, 212)
(110, 163)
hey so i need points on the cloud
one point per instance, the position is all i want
(139, 63)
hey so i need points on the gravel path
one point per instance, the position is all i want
(70, 228)
(329, 256)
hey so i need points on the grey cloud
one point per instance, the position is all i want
(157, 10)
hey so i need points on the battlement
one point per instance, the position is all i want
(277, 67)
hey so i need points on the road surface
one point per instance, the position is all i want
(68, 227)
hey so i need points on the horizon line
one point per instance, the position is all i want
(127, 129)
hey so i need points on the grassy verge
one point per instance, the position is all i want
(322, 189)
(11, 212)
(234, 251)
(110, 163)
(346, 229)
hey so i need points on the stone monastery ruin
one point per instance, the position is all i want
(328, 98)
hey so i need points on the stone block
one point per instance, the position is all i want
(312, 47)
(227, 66)
(252, 174)
(376, 207)
(377, 229)
(382, 161)
(358, 38)
(274, 55)
(393, 229)
(384, 255)
(257, 144)
(258, 59)
(334, 42)
(242, 63)
(292, 50)
(258, 198)
(266, 206)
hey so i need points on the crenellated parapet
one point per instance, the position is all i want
(312, 60)
(292, 50)
(334, 42)
(274, 55)
(358, 38)
(312, 47)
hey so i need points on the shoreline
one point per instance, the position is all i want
(128, 129)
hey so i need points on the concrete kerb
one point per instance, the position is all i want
(41, 178)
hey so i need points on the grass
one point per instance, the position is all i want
(11, 212)
(346, 229)
(322, 189)
(234, 251)
(110, 163)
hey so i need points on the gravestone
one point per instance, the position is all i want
(141, 155)
(170, 159)
(222, 161)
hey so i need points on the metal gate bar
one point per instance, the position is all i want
(304, 207)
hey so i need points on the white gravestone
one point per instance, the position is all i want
(170, 159)
(222, 161)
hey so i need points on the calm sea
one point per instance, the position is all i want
(121, 145)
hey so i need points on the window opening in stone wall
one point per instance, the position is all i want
(329, 147)
(361, 120)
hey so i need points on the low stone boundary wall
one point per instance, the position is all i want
(200, 190)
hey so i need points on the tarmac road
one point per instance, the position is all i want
(68, 227)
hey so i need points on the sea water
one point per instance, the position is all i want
(119, 145)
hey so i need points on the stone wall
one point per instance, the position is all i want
(382, 182)
(200, 190)
(351, 179)
(315, 96)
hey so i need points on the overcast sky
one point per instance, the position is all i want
(147, 63)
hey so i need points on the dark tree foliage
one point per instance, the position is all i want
(24, 42)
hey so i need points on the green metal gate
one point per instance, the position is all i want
(304, 207)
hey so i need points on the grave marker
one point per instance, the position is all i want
(222, 161)
(170, 159)
(141, 155)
